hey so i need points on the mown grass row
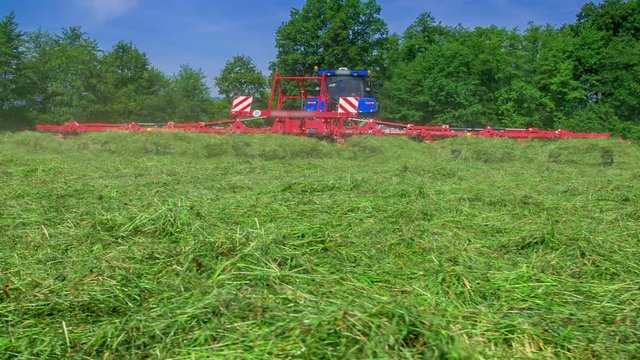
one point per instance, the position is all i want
(179, 245)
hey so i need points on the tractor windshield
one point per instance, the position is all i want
(347, 86)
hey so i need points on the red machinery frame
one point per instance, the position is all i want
(323, 123)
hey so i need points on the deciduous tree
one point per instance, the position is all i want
(63, 72)
(11, 70)
(240, 76)
(332, 34)
(191, 94)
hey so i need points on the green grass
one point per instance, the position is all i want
(183, 245)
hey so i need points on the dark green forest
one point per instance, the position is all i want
(583, 76)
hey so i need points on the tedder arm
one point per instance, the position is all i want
(307, 111)
(311, 125)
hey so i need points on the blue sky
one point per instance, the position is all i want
(207, 33)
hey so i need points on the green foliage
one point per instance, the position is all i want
(123, 83)
(614, 17)
(241, 77)
(420, 35)
(64, 71)
(332, 34)
(11, 59)
(173, 245)
(455, 81)
(12, 79)
(157, 98)
(582, 76)
(56, 78)
(191, 94)
(220, 109)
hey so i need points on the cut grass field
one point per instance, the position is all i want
(120, 245)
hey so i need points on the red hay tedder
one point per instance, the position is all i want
(333, 104)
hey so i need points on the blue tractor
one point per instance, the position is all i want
(346, 83)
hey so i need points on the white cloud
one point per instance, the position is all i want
(105, 10)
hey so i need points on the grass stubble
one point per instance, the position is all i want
(184, 245)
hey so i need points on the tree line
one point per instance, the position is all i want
(583, 76)
(55, 78)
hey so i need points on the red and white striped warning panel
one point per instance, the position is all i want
(348, 105)
(241, 104)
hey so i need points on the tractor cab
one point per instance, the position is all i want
(346, 83)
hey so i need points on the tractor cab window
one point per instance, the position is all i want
(340, 86)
